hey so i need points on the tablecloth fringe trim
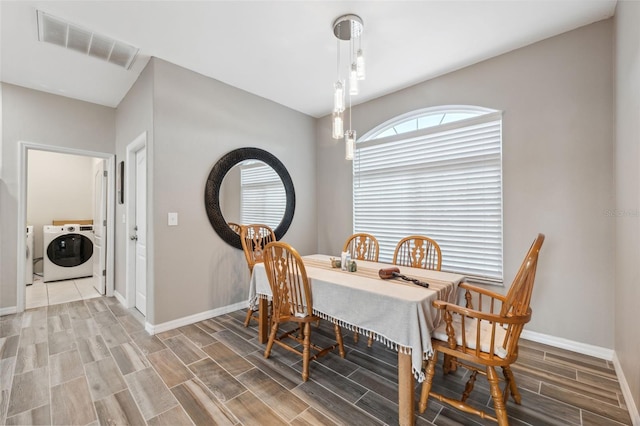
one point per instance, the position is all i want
(253, 303)
(417, 374)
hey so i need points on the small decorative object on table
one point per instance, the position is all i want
(394, 272)
(335, 263)
(345, 258)
(352, 266)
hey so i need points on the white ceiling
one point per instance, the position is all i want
(281, 50)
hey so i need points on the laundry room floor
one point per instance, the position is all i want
(51, 293)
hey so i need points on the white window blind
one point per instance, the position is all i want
(263, 197)
(444, 182)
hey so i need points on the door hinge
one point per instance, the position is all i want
(104, 272)
(104, 173)
(104, 222)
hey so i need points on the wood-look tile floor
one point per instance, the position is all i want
(90, 362)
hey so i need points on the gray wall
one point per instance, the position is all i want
(627, 178)
(134, 116)
(38, 117)
(557, 166)
(196, 121)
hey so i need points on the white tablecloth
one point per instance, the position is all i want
(400, 314)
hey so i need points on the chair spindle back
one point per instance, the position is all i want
(362, 246)
(254, 238)
(288, 280)
(418, 251)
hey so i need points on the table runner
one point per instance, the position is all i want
(400, 314)
(442, 285)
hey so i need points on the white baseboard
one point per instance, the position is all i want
(571, 345)
(8, 310)
(626, 392)
(120, 298)
(170, 325)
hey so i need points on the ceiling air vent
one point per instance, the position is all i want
(57, 31)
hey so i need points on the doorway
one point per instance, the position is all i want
(136, 223)
(70, 275)
(100, 182)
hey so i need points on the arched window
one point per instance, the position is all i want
(435, 172)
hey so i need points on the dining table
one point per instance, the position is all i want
(398, 313)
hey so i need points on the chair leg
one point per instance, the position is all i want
(469, 386)
(356, 337)
(496, 394)
(247, 319)
(448, 364)
(370, 341)
(512, 386)
(336, 328)
(272, 338)
(428, 382)
(306, 352)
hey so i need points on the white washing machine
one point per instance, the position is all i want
(28, 267)
(68, 252)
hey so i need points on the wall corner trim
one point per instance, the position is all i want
(634, 413)
(571, 345)
(191, 319)
(120, 298)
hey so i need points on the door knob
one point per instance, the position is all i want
(134, 238)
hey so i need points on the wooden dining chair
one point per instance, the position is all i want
(293, 303)
(362, 246)
(253, 239)
(235, 227)
(483, 338)
(418, 251)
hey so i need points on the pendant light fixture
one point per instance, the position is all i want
(347, 28)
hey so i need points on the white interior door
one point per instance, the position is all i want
(99, 228)
(140, 229)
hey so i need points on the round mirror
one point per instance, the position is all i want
(249, 185)
(252, 192)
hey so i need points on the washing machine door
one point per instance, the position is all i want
(70, 250)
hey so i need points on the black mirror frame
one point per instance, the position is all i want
(214, 183)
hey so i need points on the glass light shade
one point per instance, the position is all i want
(338, 96)
(353, 80)
(349, 144)
(337, 125)
(360, 65)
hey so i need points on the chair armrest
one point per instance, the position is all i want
(471, 337)
(481, 290)
(484, 316)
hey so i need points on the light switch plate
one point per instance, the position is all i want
(172, 219)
